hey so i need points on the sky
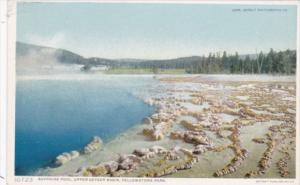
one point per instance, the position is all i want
(156, 31)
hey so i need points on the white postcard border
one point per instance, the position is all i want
(36, 180)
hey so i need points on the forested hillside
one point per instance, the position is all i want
(273, 62)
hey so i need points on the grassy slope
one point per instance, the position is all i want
(144, 71)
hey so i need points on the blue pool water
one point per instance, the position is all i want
(55, 116)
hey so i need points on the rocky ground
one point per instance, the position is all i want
(204, 127)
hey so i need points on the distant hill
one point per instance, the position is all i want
(40, 59)
(32, 59)
(42, 53)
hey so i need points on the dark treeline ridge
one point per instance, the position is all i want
(273, 62)
(282, 62)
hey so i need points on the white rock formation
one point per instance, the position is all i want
(94, 145)
(66, 157)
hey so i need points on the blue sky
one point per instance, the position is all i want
(130, 30)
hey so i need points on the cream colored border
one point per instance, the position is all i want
(190, 181)
(3, 80)
(11, 37)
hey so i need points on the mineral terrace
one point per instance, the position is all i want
(204, 128)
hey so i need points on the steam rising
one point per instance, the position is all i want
(33, 60)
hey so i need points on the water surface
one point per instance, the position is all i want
(54, 116)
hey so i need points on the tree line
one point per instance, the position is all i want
(272, 62)
(281, 62)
